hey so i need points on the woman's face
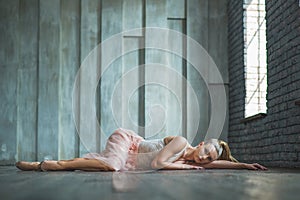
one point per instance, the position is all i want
(205, 153)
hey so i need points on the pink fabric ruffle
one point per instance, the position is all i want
(120, 151)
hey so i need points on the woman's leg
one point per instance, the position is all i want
(66, 165)
(76, 164)
(115, 153)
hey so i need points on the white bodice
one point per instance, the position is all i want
(149, 149)
(147, 146)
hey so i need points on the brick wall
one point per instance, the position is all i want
(273, 140)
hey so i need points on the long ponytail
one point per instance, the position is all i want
(226, 153)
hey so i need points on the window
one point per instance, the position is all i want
(255, 57)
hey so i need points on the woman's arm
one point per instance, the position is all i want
(174, 146)
(224, 164)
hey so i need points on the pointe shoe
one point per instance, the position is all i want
(28, 166)
(50, 165)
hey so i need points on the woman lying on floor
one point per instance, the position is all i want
(126, 150)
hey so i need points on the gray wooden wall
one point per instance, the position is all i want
(43, 44)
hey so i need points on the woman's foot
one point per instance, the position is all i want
(28, 166)
(51, 165)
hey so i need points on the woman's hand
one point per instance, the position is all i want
(254, 166)
(224, 164)
(196, 167)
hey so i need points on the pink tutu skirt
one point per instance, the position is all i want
(121, 148)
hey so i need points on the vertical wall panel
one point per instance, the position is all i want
(217, 48)
(176, 8)
(48, 79)
(175, 101)
(27, 81)
(176, 104)
(132, 19)
(197, 26)
(69, 64)
(9, 57)
(90, 37)
(130, 116)
(217, 45)
(111, 25)
(155, 94)
(133, 16)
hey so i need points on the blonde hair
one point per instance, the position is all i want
(222, 149)
(226, 153)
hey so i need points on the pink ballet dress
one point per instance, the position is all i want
(120, 147)
(125, 150)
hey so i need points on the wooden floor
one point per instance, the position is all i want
(205, 184)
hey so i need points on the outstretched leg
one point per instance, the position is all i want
(77, 164)
(66, 165)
